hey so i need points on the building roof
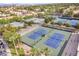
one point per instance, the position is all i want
(39, 20)
(17, 24)
(35, 20)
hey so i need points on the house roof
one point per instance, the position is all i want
(17, 24)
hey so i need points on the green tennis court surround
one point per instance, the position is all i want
(52, 39)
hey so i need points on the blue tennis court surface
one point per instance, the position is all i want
(55, 40)
(57, 36)
(62, 20)
(73, 22)
(35, 35)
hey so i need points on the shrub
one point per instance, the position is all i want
(21, 52)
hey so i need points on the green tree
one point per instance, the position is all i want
(27, 17)
(30, 23)
(12, 39)
(46, 51)
(34, 52)
(68, 25)
(10, 35)
(77, 26)
(48, 19)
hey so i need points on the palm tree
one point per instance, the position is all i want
(68, 12)
(33, 51)
(18, 39)
(68, 25)
(46, 51)
(30, 23)
(48, 20)
(42, 36)
(12, 39)
(76, 15)
(52, 22)
(38, 52)
(77, 26)
(25, 25)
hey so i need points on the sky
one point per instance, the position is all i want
(38, 1)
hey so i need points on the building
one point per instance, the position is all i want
(36, 20)
(17, 24)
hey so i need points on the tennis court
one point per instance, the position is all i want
(35, 35)
(62, 21)
(55, 40)
(73, 22)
